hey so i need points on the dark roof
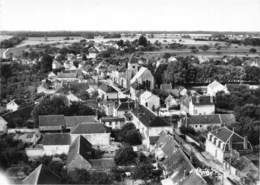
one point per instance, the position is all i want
(226, 134)
(202, 100)
(107, 88)
(125, 106)
(193, 179)
(153, 139)
(80, 146)
(88, 128)
(110, 118)
(72, 121)
(42, 175)
(148, 118)
(56, 139)
(51, 120)
(204, 119)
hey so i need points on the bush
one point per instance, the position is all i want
(125, 156)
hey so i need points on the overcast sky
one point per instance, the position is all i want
(133, 15)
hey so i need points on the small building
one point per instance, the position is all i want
(13, 105)
(198, 105)
(150, 100)
(107, 92)
(55, 143)
(51, 123)
(215, 87)
(123, 108)
(113, 122)
(170, 102)
(95, 133)
(42, 175)
(208, 122)
(3, 125)
(144, 77)
(221, 142)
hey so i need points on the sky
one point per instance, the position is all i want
(130, 15)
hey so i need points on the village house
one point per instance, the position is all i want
(144, 77)
(113, 122)
(123, 108)
(135, 91)
(13, 105)
(177, 168)
(51, 123)
(42, 175)
(95, 133)
(208, 122)
(198, 105)
(55, 143)
(107, 92)
(221, 142)
(150, 100)
(3, 125)
(171, 102)
(149, 125)
(215, 87)
(92, 52)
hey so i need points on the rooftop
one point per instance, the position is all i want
(72, 121)
(225, 134)
(51, 120)
(56, 139)
(107, 88)
(202, 100)
(88, 128)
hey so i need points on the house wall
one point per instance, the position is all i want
(214, 150)
(113, 124)
(213, 92)
(95, 139)
(153, 101)
(34, 152)
(55, 149)
(201, 109)
(12, 106)
(3, 127)
(204, 127)
(118, 113)
(107, 96)
(147, 76)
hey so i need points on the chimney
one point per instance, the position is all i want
(245, 143)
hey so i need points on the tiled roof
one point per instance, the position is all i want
(41, 175)
(225, 134)
(80, 146)
(124, 106)
(107, 88)
(110, 118)
(51, 120)
(148, 118)
(72, 121)
(202, 100)
(56, 139)
(215, 84)
(193, 179)
(204, 119)
(88, 128)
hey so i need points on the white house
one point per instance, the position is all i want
(92, 52)
(144, 77)
(215, 87)
(150, 100)
(95, 133)
(113, 122)
(55, 143)
(170, 101)
(3, 125)
(198, 105)
(12, 105)
(221, 142)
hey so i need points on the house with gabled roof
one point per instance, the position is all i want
(107, 92)
(149, 124)
(122, 108)
(215, 87)
(144, 77)
(95, 133)
(80, 152)
(221, 142)
(55, 143)
(42, 175)
(150, 100)
(51, 123)
(208, 122)
(198, 105)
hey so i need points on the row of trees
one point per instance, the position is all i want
(11, 42)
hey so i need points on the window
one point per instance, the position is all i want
(196, 126)
(215, 141)
(146, 104)
(200, 126)
(219, 144)
(210, 137)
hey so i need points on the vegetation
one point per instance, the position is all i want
(11, 42)
(129, 134)
(125, 156)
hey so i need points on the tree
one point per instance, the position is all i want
(204, 47)
(6, 71)
(46, 63)
(252, 50)
(125, 156)
(142, 41)
(130, 134)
